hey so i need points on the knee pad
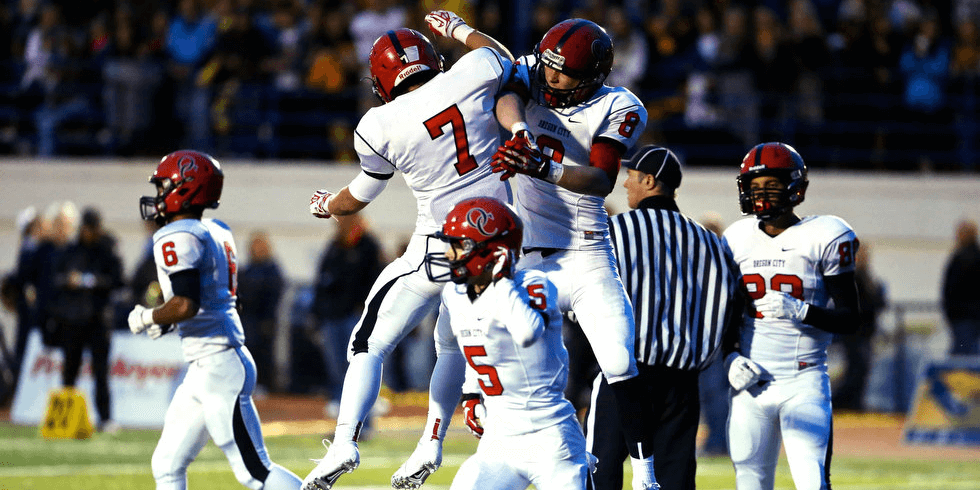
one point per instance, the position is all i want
(168, 475)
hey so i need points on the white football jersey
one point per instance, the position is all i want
(441, 136)
(522, 386)
(573, 220)
(208, 246)
(795, 262)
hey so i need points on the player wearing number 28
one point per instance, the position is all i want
(196, 266)
(439, 129)
(799, 273)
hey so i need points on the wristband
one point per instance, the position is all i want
(461, 32)
(146, 316)
(555, 171)
(518, 127)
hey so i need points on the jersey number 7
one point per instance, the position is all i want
(454, 118)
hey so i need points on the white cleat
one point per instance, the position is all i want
(340, 458)
(424, 461)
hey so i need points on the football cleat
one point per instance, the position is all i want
(423, 462)
(340, 458)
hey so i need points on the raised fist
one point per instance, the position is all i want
(444, 23)
(318, 204)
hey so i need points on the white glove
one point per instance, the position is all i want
(318, 204)
(447, 24)
(742, 371)
(156, 331)
(140, 319)
(777, 304)
(504, 265)
(424, 461)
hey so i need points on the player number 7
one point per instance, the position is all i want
(453, 117)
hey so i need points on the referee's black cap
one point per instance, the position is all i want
(659, 162)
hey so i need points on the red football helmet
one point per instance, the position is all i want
(396, 56)
(184, 179)
(779, 160)
(578, 48)
(481, 225)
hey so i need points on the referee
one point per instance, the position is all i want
(685, 292)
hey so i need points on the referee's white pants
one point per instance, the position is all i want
(588, 284)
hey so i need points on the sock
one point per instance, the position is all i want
(362, 384)
(637, 429)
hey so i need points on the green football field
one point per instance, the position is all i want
(28, 461)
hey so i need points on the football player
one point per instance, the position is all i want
(506, 326)
(799, 273)
(581, 130)
(439, 129)
(196, 267)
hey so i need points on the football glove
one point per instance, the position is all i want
(424, 461)
(742, 371)
(156, 331)
(447, 24)
(517, 156)
(318, 204)
(504, 265)
(473, 413)
(140, 319)
(777, 304)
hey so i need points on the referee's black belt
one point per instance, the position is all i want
(545, 251)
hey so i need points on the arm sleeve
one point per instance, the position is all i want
(525, 323)
(844, 317)
(187, 283)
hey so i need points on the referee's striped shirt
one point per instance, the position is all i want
(681, 279)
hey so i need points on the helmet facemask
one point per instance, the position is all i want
(471, 260)
(770, 203)
(552, 97)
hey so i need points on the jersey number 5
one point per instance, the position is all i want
(493, 388)
(451, 116)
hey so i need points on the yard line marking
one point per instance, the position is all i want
(375, 462)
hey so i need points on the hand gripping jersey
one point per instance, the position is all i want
(443, 149)
(573, 220)
(208, 246)
(795, 262)
(522, 386)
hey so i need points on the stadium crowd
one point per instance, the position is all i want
(867, 84)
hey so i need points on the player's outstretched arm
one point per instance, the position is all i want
(446, 23)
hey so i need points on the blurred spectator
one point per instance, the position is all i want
(334, 65)
(965, 89)
(260, 288)
(18, 291)
(775, 75)
(85, 274)
(924, 66)
(961, 290)
(858, 349)
(373, 20)
(348, 267)
(630, 64)
(236, 72)
(191, 36)
(131, 80)
(59, 225)
(144, 285)
(807, 41)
